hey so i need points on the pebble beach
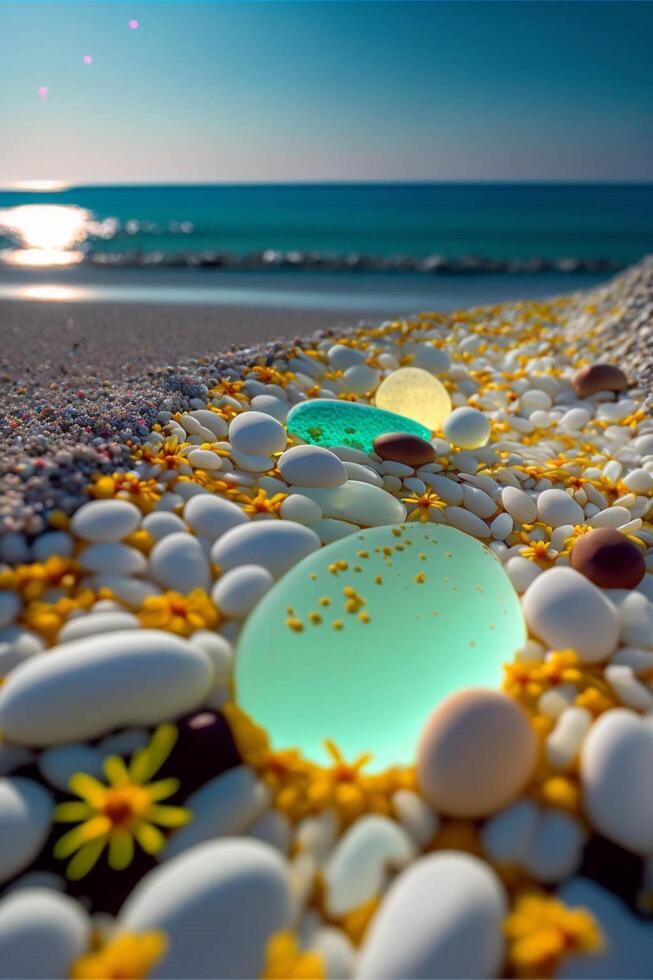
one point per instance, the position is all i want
(332, 656)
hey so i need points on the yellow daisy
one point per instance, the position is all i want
(127, 808)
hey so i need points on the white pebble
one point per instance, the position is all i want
(519, 505)
(225, 806)
(312, 466)
(105, 520)
(555, 507)
(237, 591)
(565, 610)
(25, 820)
(257, 434)
(300, 509)
(441, 918)
(113, 557)
(41, 934)
(359, 866)
(135, 677)
(616, 766)
(276, 545)
(465, 521)
(178, 562)
(467, 427)
(229, 895)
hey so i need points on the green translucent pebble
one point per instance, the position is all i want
(441, 615)
(330, 422)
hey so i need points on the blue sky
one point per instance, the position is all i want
(248, 91)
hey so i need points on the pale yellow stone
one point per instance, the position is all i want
(417, 395)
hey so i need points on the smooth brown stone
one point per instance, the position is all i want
(599, 377)
(607, 558)
(402, 447)
(476, 753)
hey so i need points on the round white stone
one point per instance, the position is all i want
(566, 610)
(257, 434)
(360, 503)
(161, 523)
(639, 481)
(16, 645)
(93, 624)
(430, 358)
(467, 427)
(105, 520)
(59, 763)
(360, 379)
(299, 508)
(204, 459)
(311, 466)
(41, 933)
(225, 806)
(25, 819)
(52, 543)
(238, 590)
(616, 767)
(276, 545)
(83, 689)
(210, 516)
(178, 562)
(113, 557)
(440, 919)
(217, 904)
(555, 507)
(211, 421)
(521, 572)
(10, 606)
(359, 866)
(272, 405)
(342, 357)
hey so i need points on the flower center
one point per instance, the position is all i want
(123, 804)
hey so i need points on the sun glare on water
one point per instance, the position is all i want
(46, 234)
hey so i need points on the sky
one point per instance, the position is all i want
(319, 91)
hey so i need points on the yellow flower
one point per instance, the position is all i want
(540, 552)
(234, 389)
(284, 960)
(143, 493)
(54, 573)
(180, 614)
(262, 504)
(270, 376)
(300, 787)
(541, 931)
(168, 456)
(129, 956)
(127, 809)
(422, 503)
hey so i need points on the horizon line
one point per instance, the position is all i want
(60, 186)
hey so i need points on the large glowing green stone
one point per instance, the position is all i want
(330, 422)
(361, 640)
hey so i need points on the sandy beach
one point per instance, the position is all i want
(74, 341)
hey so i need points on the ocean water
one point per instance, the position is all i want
(414, 239)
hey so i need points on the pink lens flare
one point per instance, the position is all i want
(87, 59)
(133, 25)
(43, 92)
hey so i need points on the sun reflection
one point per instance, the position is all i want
(45, 233)
(52, 292)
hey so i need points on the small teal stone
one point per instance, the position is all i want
(329, 422)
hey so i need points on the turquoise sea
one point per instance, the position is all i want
(420, 241)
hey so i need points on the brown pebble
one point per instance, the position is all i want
(607, 558)
(402, 447)
(475, 754)
(599, 377)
